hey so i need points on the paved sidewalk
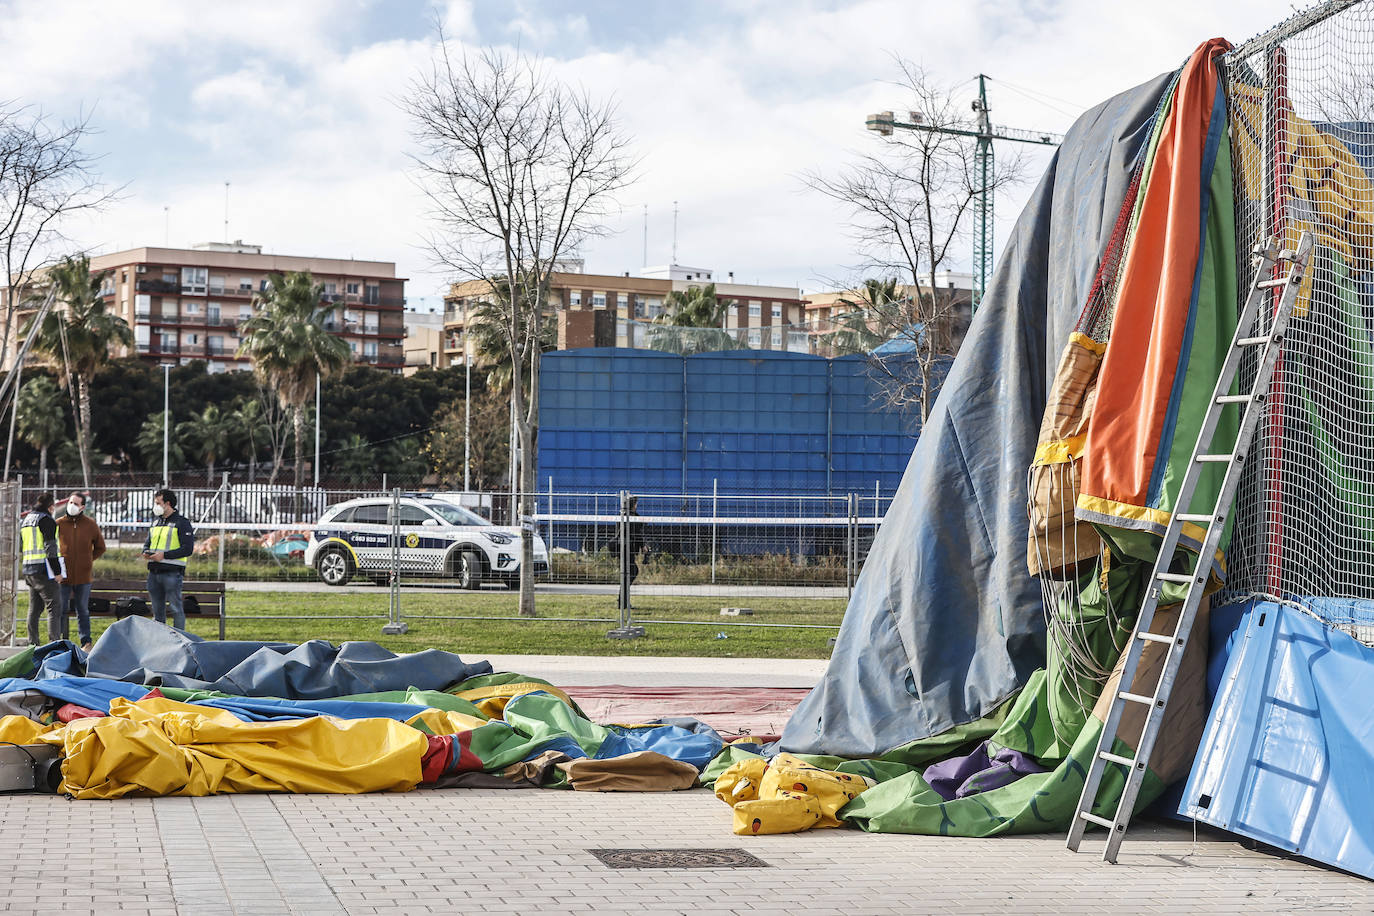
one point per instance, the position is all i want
(511, 851)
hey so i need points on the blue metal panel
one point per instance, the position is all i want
(750, 421)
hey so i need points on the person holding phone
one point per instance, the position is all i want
(44, 568)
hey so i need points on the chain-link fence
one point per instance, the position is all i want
(333, 548)
(265, 533)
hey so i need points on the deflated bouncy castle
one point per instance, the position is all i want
(970, 682)
(986, 635)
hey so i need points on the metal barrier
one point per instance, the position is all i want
(656, 544)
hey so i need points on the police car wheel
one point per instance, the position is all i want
(334, 567)
(469, 570)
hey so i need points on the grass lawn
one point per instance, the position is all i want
(553, 633)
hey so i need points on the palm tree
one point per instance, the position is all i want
(42, 418)
(250, 423)
(693, 321)
(149, 444)
(869, 319)
(78, 339)
(488, 324)
(213, 433)
(290, 347)
(355, 457)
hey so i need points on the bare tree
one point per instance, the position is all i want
(519, 170)
(909, 205)
(45, 176)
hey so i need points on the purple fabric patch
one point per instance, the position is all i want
(959, 777)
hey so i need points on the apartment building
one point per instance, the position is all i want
(186, 304)
(824, 312)
(424, 340)
(763, 316)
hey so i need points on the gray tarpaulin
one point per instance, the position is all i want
(145, 652)
(945, 622)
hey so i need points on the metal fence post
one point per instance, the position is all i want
(627, 629)
(394, 625)
(715, 492)
(851, 544)
(548, 544)
(223, 520)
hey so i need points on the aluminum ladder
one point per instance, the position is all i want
(1269, 277)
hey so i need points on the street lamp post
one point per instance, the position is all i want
(166, 421)
(317, 429)
(467, 413)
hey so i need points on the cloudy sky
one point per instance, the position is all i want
(729, 102)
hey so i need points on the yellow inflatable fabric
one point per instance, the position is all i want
(159, 747)
(491, 701)
(23, 730)
(444, 721)
(785, 795)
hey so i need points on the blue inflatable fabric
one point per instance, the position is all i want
(143, 651)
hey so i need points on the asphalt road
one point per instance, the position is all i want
(689, 591)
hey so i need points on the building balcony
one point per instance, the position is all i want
(233, 291)
(158, 286)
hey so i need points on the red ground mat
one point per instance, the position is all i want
(729, 710)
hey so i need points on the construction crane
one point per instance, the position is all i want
(984, 132)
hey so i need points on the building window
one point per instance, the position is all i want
(193, 308)
(777, 310)
(776, 339)
(246, 284)
(574, 297)
(755, 308)
(143, 305)
(598, 300)
(169, 277)
(653, 307)
(755, 337)
(372, 294)
(370, 349)
(192, 339)
(331, 288)
(245, 312)
(640, 308)
(352, 288)
(193, 280)
(217, 284)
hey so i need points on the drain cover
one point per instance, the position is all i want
(678, 858)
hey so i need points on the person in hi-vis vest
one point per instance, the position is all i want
(170, 541)
(44, 569)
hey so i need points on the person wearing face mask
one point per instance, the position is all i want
(170, 541)
(82, 544)
(43, 566)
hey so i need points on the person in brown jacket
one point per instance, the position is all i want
(82, 544)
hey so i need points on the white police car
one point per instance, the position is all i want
(438, 538)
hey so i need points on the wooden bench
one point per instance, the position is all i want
(198, 599)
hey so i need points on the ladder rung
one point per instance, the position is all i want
(1234, 399)
(1271, 284)
(1117, 758)
(1216, 459)
(1155, 637)
(1194, 517)
(1137, 698)
(1181, 578)
(1287, 254)
(1094, 819)
(1252, 341)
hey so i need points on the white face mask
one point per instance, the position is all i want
(73, 509)
(159, 511)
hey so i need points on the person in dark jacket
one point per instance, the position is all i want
(44, 569)
(170, 541)
(82, 544)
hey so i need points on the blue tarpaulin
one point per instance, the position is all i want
(945, 624)
(142, 651)
(1288, 754)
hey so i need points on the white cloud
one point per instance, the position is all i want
(299, 113)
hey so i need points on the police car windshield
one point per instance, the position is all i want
(455, 515)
